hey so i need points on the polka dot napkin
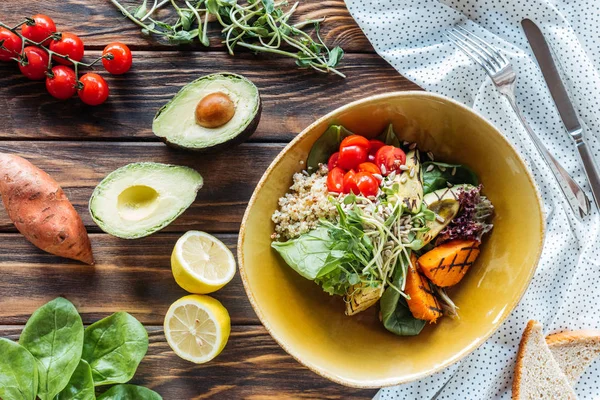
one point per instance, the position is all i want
(564, 293)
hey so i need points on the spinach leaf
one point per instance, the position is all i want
(18, 372)
(325, 146)
(114, 347)
(80, 386)
(54, 336)
(308, 254)
(129, 392)
(441, 174)
(389, 137)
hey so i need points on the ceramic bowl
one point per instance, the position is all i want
(357, 351)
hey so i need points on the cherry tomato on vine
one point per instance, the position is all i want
(121, 58)
(335, 180)
(350, 184)
(375, 145)
(12, 44)
(68, 45)
(356, 140)
(62, 82)
(95, 89)
(333, 160)
(366, 183)
(389, 158)
(42, 28)
(35, 63)
(369, 167)
(351, 156)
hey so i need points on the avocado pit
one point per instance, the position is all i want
(214, 110)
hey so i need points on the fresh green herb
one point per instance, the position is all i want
(389, 137)
(327, 144)
(81, 384)
(129, 392)
(258, 25)
(114, 347)
(54, 336)
(437, 175)
(18, 372)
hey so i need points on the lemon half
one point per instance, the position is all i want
(197, 328)
(201, 263)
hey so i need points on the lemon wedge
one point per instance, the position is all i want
(201, 263)
(197, 328)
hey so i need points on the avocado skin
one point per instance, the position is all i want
(240, 138)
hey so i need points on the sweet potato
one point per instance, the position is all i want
(422, 303)
(448, 263)
(38, 207)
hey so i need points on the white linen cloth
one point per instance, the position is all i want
(564, 293)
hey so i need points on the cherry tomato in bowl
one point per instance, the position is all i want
(35, 63)
(367, 184)
(68, 45)
(94, 90)
(351, 156)
(117, 58)
(369, 167)
(12, 44)
(350, 184)
(40, 29)
(375, 145)
(333, 160)
(335, 180)
(389, 158)
(62, 83)
(356, 140)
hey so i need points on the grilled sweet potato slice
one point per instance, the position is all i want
(422, 303)
(448, 263)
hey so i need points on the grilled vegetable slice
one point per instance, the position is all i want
(444, 203)
(422, 303)
(448, 263)
(362, 297)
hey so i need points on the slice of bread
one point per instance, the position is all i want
(574, 351)
(537, 373)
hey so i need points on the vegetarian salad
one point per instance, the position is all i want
(377, 220)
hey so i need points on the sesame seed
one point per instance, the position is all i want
(430, 155)
(377, 176)
(429, 168)
(383, 169)
(412, 172)
(404, 168)
(403, 179)
(440, 219)
(405, 143)
(412, 146)
(301, 162)
(392, 175)
(453, 171)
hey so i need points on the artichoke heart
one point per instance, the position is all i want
(362, 297)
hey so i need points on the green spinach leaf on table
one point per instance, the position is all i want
(80, 386)
(54, 336)
(129, 392)
(441, 175)
(18, 372)
(389, 137)
(114, 347)
(325, 146)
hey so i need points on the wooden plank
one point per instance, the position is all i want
(292, 98)
(99, 23)
(229, 177)
(252, 366)
(129, 275)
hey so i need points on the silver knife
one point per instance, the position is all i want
(542, 53)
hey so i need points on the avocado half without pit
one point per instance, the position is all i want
(210, 113)
(141, 198)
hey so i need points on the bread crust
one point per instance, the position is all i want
(591, 336)
(516, 386)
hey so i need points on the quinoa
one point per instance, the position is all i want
(302, 207)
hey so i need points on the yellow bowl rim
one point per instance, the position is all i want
(375, 384)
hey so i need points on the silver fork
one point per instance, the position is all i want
(504, 77)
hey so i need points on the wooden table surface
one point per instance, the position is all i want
(78, 145)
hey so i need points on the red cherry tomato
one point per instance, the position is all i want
(351, 156)
(42, 28)
(375, 145)
(95, 89)
(335, 180)
(367, 184)
(62, 84)
(369, 167)
(389, 158)
(35, 63)
(333, 160)
(356, 140)
(350, 183)
(68, 45)
(121, 58)
(12, 44)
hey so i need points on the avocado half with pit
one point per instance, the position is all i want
(141, 198)
(210, 113)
